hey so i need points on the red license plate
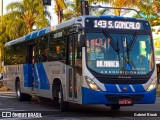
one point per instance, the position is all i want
(125, 101)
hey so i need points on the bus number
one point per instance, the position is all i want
(100, 23)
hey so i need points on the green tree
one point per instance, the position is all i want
(4, 37)
(59, 6)
(21, 18)
(122, 3)
(4, 26)
(29, 13)
(71, 11)
(74, 8)
(150, 10)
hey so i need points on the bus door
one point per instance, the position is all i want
(30, 61)
(71, 77)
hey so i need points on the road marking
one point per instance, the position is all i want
(7, 109)
(7, 96)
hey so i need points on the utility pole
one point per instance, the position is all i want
(84, 7)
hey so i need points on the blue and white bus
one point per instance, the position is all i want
(87, 60)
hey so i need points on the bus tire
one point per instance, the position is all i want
(56, 102)
(55, 93)
(115, 107)
(27, 97)
(21, 96)
(63, 105)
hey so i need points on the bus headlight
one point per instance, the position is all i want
(92, 84)
(152, 86)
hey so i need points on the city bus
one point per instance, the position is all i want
(87, 60)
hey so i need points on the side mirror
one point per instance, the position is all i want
(82, 40)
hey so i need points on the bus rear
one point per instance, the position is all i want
(118, 62)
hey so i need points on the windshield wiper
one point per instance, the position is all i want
(130, 46)
(133, 40)
(127, 50)
(112, 42)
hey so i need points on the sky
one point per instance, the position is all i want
(53, 21)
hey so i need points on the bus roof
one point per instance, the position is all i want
(41, 32)
(73, 21)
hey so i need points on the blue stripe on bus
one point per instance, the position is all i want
(125, 88)
(27, 70)
(28, 37)
(111, 88)
(44, 81)
(99, 97)
(34, 35)
(139, 88)
(42, 32)
(35, 77)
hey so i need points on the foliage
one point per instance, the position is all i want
(21, 18)
(59, 6)
(29, 13)
(74, 8)
(121, 4)
(150, 11)
(71, 8)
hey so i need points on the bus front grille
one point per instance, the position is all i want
(115, 98)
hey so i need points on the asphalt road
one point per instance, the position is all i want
(46, 111)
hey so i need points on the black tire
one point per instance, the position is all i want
(64, 106)
(56, 102)
(21, 96)
(115, 107)
(55, 94)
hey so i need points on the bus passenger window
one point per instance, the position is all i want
(42, 49)
(44, 56)
(56, 49)
(58, 53)
(33, 54)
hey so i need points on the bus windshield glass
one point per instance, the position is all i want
(119, 54)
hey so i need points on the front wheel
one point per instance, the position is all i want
(21, 96)
(63, 105)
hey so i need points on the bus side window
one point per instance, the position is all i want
(42, 50)
(56, 49)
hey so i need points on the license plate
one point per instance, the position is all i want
(125, 101)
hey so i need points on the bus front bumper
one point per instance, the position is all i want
(100, 97)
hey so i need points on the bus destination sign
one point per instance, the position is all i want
(117, 24)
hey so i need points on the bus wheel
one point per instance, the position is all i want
(63, 105)
(21, 96)
(115, 107)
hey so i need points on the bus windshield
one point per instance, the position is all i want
(119, 54)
